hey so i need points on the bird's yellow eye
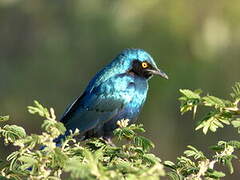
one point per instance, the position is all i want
(144, 65)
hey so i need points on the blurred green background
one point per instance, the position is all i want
(49, 50)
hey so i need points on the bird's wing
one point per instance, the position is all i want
(99, 105)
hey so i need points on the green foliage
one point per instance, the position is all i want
(38, 157)
(4, 118)
(12, 133)
(194, 164)
(222, 112)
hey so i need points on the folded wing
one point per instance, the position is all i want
(100, 105)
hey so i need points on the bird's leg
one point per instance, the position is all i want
(108, 140)
(129, 141)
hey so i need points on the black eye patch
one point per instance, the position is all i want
(139, 69)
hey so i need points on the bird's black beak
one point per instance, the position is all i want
(158, 72)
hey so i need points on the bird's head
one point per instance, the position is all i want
(139, 62)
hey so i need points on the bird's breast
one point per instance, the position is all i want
(135, 100)
(133, 91)
(140, 94)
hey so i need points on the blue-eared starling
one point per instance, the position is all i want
(116, 92)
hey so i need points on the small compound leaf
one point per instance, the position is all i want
(4, 118)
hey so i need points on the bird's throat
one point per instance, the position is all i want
(140, 73)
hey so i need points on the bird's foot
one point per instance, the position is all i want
(108, 141)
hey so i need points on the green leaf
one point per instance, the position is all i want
(38, 109)
(230, 166)
(236, 123)
(175, 176)
(235, 144)
(236, 91)
(206, 126)
(213, 121)
(12, 133)
(194, 152)
(190, 94)
(4, 118)
(126, 167)
(213, 101)
(189, 101)
(215, 174)
(59, 157)
(27, 161)
(151, 158)
(169, 164)
(143, 142)
(77, 168)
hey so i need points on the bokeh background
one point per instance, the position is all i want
(49, 50)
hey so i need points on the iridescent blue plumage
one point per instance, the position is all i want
(116, 92)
